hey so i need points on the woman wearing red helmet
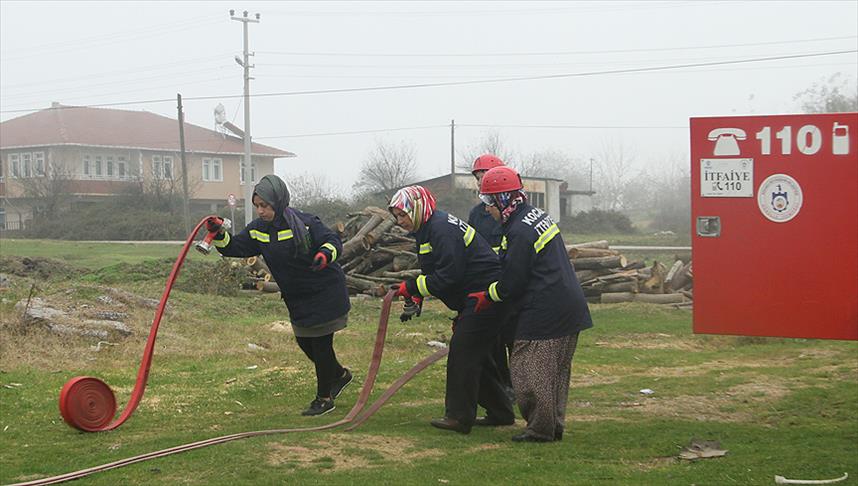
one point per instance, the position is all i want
(538, 281)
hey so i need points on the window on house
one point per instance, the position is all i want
(110, 167)
(2, 172)
(87, 166)
(537, 199)
(252, 171)
(14, 166)
(39, 163)
(99, 169)
(168, 167)
(121, 167)
(212, 170)
(26, 168)
(157, 167)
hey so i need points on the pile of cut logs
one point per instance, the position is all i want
(607, 277)
(377, 253)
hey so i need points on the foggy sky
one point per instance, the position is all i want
(90, 53)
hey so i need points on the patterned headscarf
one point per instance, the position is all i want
(506, 202)
(273, 190)
(416, 201)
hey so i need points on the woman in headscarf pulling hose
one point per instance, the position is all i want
(455, 260)
(301, 253)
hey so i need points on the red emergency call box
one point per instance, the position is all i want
(774, 208)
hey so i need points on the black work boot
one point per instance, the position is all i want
(340, 383)
(448, 423)
(319, 406)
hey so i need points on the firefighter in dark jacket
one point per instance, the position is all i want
(301, 253)
(490, 229)
(538, 280)
(454, 261)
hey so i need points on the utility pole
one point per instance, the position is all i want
(452, 154)
(591, 176)
(187, 211)
(245, 63)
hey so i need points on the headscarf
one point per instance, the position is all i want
(506, 202)
(416, 201)
(273, 190)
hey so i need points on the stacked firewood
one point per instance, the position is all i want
(607, 277)
(377, 253)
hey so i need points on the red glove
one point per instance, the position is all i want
(483, 301)
(320, 261)
(214, 224)
(401, 290)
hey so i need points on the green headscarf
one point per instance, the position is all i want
(273, 190)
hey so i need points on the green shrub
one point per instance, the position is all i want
(598, 221)
(218, 277)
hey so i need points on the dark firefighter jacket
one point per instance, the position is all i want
(537, 278)
(454, 261)
(486, 226)
(313, 298)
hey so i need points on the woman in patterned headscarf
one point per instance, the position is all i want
(455, 260)
(301, 253)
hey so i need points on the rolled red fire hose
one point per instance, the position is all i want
(87, 403)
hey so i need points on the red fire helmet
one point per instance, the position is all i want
(486, 162)
(500, 179)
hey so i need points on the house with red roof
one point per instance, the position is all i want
(103, 152)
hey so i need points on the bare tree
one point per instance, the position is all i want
(832, 95)
(613, 174)
(50, 189)
(387, 167)
(555, 164)
(306, 188)
(490, 143)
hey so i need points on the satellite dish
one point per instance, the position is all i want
(220, 114)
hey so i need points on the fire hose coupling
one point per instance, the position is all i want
(214, 226)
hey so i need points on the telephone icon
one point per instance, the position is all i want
(726, 140)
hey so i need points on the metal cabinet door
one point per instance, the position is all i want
(774, 203)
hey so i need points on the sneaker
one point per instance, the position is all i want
(319, 406)
(340, 383)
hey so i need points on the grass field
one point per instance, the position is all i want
(779, 406)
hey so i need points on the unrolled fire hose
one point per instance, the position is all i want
(88, 404)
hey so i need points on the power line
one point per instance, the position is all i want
(620, 6)
(480, 81)
(71, 44)
(472, 66)
(457, 76)
(200, 75)
(557, 53)
(135, 70)
(352, 132)
(576, 127)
